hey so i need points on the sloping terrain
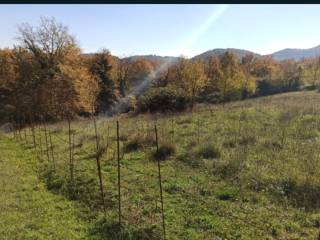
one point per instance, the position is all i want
(28, 210)
(245, 170)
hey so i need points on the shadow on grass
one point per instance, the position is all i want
(302, 195)
(111, 230)
(85, 190)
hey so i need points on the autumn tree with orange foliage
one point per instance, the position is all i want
(61, 84)
(7, 81)
(140, 70)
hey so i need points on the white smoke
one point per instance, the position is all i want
(122, 105)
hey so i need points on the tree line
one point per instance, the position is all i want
(46, 76)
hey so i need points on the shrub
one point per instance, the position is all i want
(133, 145)
(163, 99)
(165, 151)
(110, 230)
(301, 194)
(227, 193)
(226, 169)
(208, 150)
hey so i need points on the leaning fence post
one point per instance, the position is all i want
(40, 140)
(198, 126)
(73, 134)
(46, 140)
(70, 151)
(160, 184)
(51, 148)
(172, 130)
(24, 129)
(31, 117)
(119, 178)
(19, 127)
(98, 154)
(13, 128)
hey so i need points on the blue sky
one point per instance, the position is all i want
(174, 29)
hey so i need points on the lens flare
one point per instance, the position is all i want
(122, 104)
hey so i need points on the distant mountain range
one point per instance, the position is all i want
(297, 54)
(152, 58)
(239, 53)
(288, 53)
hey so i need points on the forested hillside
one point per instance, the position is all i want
(46, 76)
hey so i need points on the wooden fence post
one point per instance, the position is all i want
(19, 127)
(70, 152)
(24, 129)
(119, 177)
(13, 128)
(40, 140)
(172, 131)
(160, 184)
(51, 148)
(98, 155)
(46, 140)
(31, 117)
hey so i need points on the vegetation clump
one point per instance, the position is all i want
(226, 193)
(165, 150)
(134, 144)
(208, 150)
(163, 99)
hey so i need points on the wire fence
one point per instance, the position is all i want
(66, 149)
(92, 157)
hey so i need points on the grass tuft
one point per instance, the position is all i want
(208, 150)
(165, 151)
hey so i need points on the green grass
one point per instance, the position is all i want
(248, 170)
(28, 209)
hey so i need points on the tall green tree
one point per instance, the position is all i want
(214, 74)
(100, 67)
(231, 82)
(189, 76)
(122, 74)
(291, 74)
(249, 82)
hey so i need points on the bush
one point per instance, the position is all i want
(301, 194)
(208, 150)
(133, 145)
(226, 193)
(266, 87)
(165, 151)
(110, 230)
(163, 99)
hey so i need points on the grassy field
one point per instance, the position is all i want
(246, 170)
(28, 209)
